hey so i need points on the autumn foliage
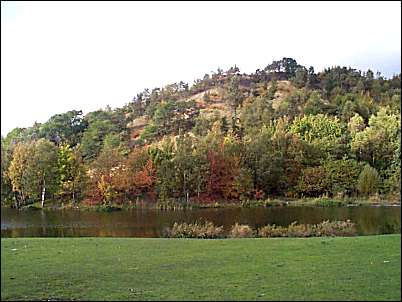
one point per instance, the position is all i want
(282, 131)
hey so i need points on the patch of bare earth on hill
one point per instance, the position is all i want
(284, 88)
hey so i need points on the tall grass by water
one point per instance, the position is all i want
(208, 230)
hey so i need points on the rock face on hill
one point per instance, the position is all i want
(210, 104)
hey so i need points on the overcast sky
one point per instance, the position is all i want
(62, 56)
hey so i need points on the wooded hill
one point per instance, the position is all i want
(284, 130)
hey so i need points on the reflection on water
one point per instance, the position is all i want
(151, 223)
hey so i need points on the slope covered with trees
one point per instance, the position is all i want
(283, 131)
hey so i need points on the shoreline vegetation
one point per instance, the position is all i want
(207, 230)
(176, 204)
(363, 268)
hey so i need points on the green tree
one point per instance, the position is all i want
(72, 174)
(6, 186)
(301, 77)
(315, 105)
(342, 176)
(235, 97)
(368, 181)
(163, 116)
(43, 169)
(377, 143)
(322, 131)
(356, 124)
(256, 113)
(33, 170)
(18, 172)
(92, 140)
(265, 163)
(66, 127)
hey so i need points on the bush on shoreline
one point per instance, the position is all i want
(206, 230)
(324, 229)
(241, 231)
(209, 230)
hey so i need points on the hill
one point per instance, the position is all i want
(284, 130)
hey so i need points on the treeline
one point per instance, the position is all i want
(335, 133)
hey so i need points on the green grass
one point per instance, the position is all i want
(353, 268)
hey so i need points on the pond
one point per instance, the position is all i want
(152, 223)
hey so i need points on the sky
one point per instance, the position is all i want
(61, 56)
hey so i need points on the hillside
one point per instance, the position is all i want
(284, 130)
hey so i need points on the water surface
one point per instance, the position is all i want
(152, 223)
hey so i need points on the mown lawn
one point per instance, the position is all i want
(353, 268)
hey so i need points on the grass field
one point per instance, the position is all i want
(353, 268)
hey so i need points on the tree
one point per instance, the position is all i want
(322, 131)
(15, 136)
(162, 158)
(163, 116)
(66, 127)
(313, 182)
(264, 161)
(234, 97)
(186, 176)
(203, 124)
(219, 175)
(18, 172)
(356, 124)
(342, 176)
(6, 187)
(165, 180)
(377, 143)
(368, 181)
(290, 66)
(101, 173)
(272, 89)
(43, 169)
(392, 175)
(301, 77)
(92, 140)
(286, 65)
(312, 80)
(135, 176)
(256, 113)
(33, 170)
(114, 141)
(72, 174)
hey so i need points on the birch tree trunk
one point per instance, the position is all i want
(43, 193)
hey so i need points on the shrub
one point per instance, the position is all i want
(300, 230)
(209, 230)
(325, 228)
(368, 181)
(272, 231)
(241, 231)
(335, 228)
(195, 230)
